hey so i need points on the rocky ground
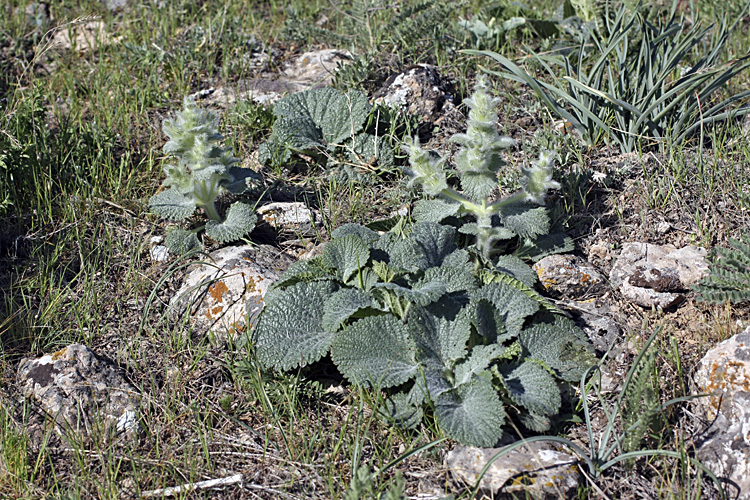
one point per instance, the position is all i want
(157, 385)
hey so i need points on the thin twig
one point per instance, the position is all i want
(200, 485)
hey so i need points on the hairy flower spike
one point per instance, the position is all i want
(537, 179)
(200, 174)
(480, 158)
(493, 223)
(425, 170)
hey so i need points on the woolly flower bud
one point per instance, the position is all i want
(538, 179)
(425, 169)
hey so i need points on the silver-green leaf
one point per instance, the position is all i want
(472, 413)
(532, 387)
(172, 205)
(289, 333)
(377, 351)
(240, 221)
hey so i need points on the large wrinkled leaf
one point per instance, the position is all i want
(452, 279)
(298, 133)
(434, 241)
(512, 265)
(347, 254)
(367, 151)
(545, 245)
(338, 115)
(367, 235)
(532, 387)
(435, 210)
(403, 409)
(561, 345)
(534, 421)
(441, 332)
(303, 271)
(240, 221)
(478, 361)
(172, 205)
(400, 253)
(343, 305)
(289, 333)
(511, 307)
(180, 241)
(526, 221)
(376, 350)
(471, 414)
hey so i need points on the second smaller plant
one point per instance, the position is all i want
(203, 171)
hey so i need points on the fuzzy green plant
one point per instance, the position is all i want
(329, 126)
(728, 278)
(203, 171)
(517, 221)
(409, 315)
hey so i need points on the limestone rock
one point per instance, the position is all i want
(223, 294)
(724, 372)
(653, 275)
(80, 391)
(310, 70)
(419, 90)
(294, 218)
(537, 469)
(569, 276)
(597, 320)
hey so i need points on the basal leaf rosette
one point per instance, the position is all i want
(407, 314)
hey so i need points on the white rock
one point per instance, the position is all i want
(292, 217)
(80, 390)
(654, 275)
(724, 372)
(536, 469)
(159, 253)
(225, 293)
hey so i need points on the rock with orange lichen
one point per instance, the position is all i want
(569, 276)
(226, 292)
(536, 470)
(724, 374)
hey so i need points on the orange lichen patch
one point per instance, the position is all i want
(252, 285)
(218, 290)
(724, 377)
(236, 328)
(214, 312)
(585, 278)
(58, 355)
